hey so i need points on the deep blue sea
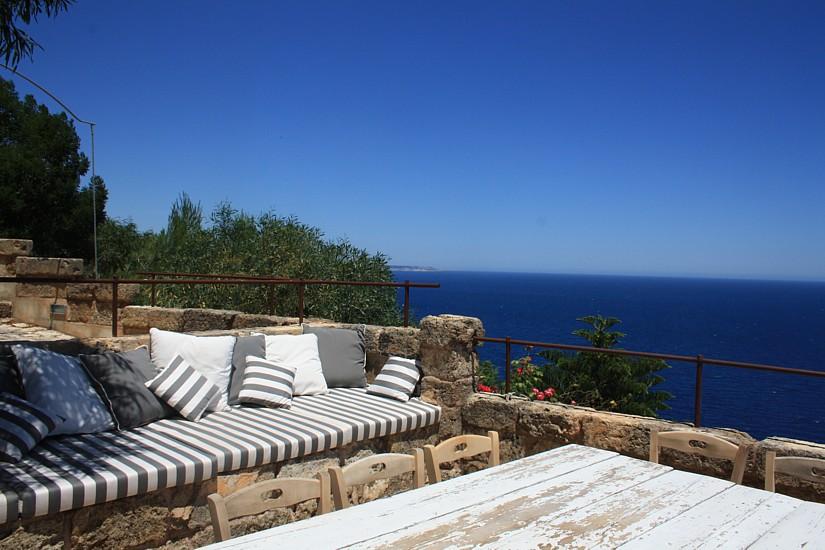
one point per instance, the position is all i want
(774, 322)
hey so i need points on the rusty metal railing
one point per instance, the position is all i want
(215, 279)
(699, 360)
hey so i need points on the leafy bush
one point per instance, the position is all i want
(234, 242)
(599, 380)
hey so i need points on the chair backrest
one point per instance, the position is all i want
(809, 469)
(458, 447)
(702, 444)
(266, 495)
(373, 468)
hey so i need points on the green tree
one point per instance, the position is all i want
(606, 381)
(234, 242)
(15, 43)
(40, 170)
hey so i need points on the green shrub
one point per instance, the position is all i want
(592, 379)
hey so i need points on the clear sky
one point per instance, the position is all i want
(668, 138)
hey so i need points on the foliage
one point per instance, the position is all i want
(234, 242)
(599, 380)
(15, 43)
(40, 171)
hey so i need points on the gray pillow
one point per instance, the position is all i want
(59, 385)
(120, 379)
(254, 345)
(343, 355)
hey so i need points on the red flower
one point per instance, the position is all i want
(540, 396)
(535, 391)
(483, 388)
(550, 392)
(519, 371)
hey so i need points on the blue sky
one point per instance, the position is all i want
(667, 138)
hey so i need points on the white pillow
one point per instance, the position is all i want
(300, 352)
(209, 355)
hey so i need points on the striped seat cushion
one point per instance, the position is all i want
(71, 472)
(9, 508)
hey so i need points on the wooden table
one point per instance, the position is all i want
(571, 497)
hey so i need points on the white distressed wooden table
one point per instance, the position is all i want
(571, 497)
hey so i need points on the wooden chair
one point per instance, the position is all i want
(264, 496)
(458, 447)
(808, 469)
(704, 445)
(373, 468)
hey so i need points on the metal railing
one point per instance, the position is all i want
(218, 279)
(699, 360)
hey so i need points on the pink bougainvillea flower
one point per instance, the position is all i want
(535, 391)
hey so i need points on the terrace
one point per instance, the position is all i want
(156, 513)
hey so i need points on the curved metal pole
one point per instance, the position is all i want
(92, 129)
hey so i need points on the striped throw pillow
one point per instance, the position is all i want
(22, 426)
(184, 389)
(267, 383)
(397, 379)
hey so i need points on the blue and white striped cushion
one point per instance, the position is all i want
(267, 383)
(184, 389)
(22, 426)
(397, 379)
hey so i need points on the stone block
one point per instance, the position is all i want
(207, 319)
(16, 247)
(6, 309)
(482, 413)
(48, 267)
(138, 319)
(451, 331)
(30, 290)
(251, 320)
(81, 312)
(402, 341)
(447, 394)
(126, 294)
(80, 292)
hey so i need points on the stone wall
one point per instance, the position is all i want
(10, 250)
(529, 427)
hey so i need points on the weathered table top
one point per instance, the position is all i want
(571, 497)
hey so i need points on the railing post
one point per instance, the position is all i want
(697, 397)
(154, 290)
(300, 302)
(406, 303)
(114, 306)
(507, 353)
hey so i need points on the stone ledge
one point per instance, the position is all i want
(530, 427)
(48, 267)
(16, 247)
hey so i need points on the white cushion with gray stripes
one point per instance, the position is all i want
(22, 426)
(71, 472)
(397, 379)
(267, 383)
(184, 389)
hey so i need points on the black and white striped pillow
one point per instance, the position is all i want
(184, 389)
(22, 426)
(397, 379)
(267, 383)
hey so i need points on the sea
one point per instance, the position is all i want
(771, 322)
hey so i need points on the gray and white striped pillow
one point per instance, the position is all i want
(267, 383)
(397, 379)
(184, 389)
(22, 426)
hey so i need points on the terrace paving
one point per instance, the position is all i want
(14, 331)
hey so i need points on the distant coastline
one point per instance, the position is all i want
(412, 268)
